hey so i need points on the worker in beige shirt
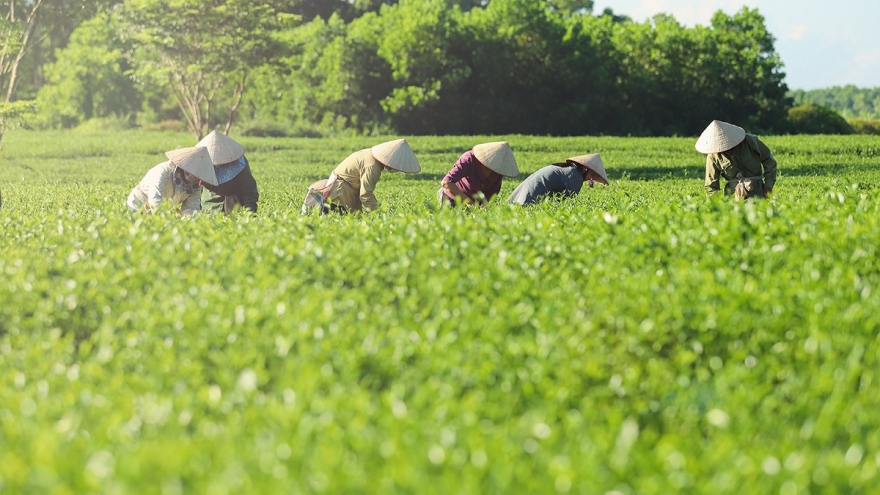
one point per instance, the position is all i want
(352, 184)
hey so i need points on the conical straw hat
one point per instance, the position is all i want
(223, 149)
(196, 161)
(592, 162)
(497, 157)
(398, 155)
(720, 136)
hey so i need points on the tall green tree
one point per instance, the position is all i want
(203, 52)
(506, 51)
(524, 66)
(533, 70)
(18, 35)
(749, 78)
(90, 77)
(660, 72)
(585, 74)
(418, 40)
(30, 31)
(675, 80)
(336, 76)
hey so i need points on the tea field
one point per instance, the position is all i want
(641, 339)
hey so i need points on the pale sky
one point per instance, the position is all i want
(822, 43)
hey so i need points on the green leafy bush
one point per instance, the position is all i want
(265, 129)
(282, 129)
(111, 123)
(164, 126)
(814, 119)
(865, 126)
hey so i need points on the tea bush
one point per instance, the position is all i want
(641, 338)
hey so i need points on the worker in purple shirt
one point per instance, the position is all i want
(477, 174)
(560, 179)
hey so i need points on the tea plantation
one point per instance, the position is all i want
(641, 339)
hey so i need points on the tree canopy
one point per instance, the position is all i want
(202, 51)
(424, 67)
(521, 66)
(849, 101)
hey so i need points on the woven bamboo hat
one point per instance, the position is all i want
(195, 160)
(592, 162)
(398, 155)
(498, 157)
(222, 148)
(720, 136)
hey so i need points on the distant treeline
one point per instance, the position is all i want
(413, 67)
(849, 101)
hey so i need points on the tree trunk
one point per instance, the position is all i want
(239, 92)
(25, 47)
(3, 65)
(185, 101)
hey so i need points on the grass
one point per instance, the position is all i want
(639, 339)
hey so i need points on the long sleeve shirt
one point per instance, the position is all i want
(466, 175)
(158, 186)
(750, 158)
(358, 176)
(552, 179)
(243, 187)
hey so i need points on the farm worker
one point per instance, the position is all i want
(478, 173)
(351, 185)
(560, 179)
(177, 182)
(742, 159)
(235, 183)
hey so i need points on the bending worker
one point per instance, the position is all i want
(560, 179)
(477, 174)
(742, 159)
(175, 182)
(235, 183)
(352, 184)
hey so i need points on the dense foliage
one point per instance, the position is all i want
(424, 67)
(352, 9)
(30, 32)
(849, 101)
(202, 51)
(517, 66)
(814, 119)
(865, 126)
(639, 339)
(91, 77)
